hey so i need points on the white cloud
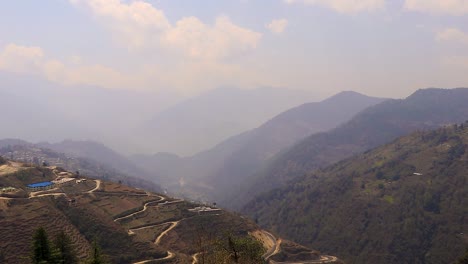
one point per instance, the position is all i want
(344, 6)
(198, 40)
(16, 58)
(277, 26)
(185, 77)
(142, 26)
(32, 60)
(452, 35)
(438, 7)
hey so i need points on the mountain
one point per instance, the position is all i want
(403, 202)
(37, 154)
(37, 110)
(217, 173)
(13, 142)
(95, 151)
(129, 225)
(202, 122)
(379, 124)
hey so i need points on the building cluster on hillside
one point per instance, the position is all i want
(32, 156)
(200, 209)
(8, 189)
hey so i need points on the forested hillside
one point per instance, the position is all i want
(379, 124)
(404, 202)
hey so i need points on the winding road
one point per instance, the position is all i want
(169, 256)
(98, 184)
(173, 225)
(195, 258)
(273, 241)
(274, 247)
(323, 259)
(145, 206)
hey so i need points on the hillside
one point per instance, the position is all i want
(193, 125)
(404, 202)
(129, 224)
(31, 153)
(94, 151)
(379, 124)
(212, 174)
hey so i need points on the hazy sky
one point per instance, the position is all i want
(378, 47)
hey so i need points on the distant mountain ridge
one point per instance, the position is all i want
(379, 124)
(202, 122)
(403, 202)
(95, 151)
(221, 170)
(39, 110)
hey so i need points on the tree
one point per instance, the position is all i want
(41, 247)
(464, 258)
(64, 250)
(243, 249)
(96, 257)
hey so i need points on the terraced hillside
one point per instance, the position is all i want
(130, 225)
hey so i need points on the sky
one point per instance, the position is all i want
(378, 47)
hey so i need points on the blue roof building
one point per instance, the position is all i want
(40, 185)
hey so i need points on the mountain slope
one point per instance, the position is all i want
(404, 202)
(214, 172)
(95, 151)
(379, 124)
(193, 126)
(36, 154)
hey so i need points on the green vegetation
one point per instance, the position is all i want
(360, 211)
(228, 248)
(96, 257)
(239, 249)
(41, 248)
(2, 160)
(464, 258)
(61, 252)
(64, 250)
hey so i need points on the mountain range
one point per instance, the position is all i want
(217, 172)
(376, 125)
(138, 121)
(200, 123)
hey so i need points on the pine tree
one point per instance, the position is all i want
(41, 247)
(464, 258)
(96, 257)
(64, 250)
